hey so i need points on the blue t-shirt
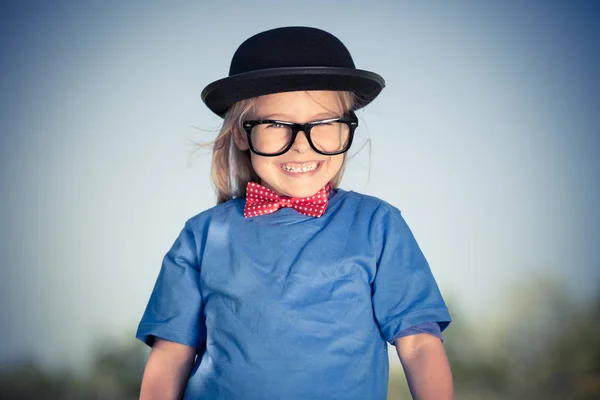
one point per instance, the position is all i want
(286, 306)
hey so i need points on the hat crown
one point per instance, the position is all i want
(290, 47)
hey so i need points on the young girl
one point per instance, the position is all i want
(291, 288)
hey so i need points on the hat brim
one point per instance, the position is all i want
(221, 94)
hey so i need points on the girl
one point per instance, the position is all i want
(290, 288)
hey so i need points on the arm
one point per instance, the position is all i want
(167, 371)
(426, 367)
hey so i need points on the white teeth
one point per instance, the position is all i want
(303, 168)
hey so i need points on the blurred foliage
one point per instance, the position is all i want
(543, 345)
(115, 374)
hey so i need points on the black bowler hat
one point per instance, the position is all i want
(290, 59)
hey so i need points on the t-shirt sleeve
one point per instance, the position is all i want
(175, 309)
(431, 328)
(405, 292)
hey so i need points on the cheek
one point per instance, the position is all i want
(256, 164)
(263, 164)
(336, 162)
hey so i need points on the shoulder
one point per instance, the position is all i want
(362, 204)
(228, 212)
(382, 218)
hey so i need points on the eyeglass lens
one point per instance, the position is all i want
(272, 138)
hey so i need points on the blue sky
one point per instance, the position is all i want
(487, 137)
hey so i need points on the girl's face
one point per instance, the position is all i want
(283, 174)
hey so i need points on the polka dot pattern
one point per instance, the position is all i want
(261, 201)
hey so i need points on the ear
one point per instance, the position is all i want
(240, 139)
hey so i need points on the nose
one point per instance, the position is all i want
(301, 144)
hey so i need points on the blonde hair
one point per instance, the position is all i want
(231, 167)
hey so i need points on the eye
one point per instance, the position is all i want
(275, 125)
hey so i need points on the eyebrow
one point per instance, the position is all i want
(286, 118)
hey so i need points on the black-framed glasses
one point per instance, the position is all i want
(269, 138)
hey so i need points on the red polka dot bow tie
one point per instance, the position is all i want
(261, 201)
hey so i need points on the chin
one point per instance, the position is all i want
(296, 185)
(303, 190)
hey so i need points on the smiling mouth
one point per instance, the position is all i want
(300, 167)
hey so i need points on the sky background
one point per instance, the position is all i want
(487, 137)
